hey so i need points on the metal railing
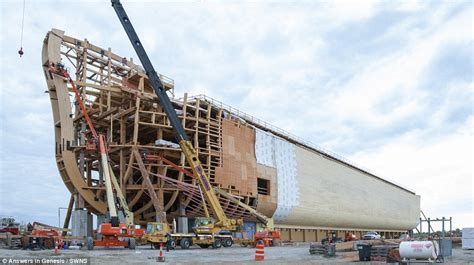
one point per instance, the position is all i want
(288, 136)
(166, 79)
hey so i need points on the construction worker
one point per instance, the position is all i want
(168, 242)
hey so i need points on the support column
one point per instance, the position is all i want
(80, 225)
(79, 218)
(182, 219)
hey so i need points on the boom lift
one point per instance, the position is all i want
(114, 234)
(222, 222)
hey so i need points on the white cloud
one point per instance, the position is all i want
(345, 11)
(441, 171)
(396, 74)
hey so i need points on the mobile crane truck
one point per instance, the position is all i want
(208, 232)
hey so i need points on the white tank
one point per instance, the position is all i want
(419, 249)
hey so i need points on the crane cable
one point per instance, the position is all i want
(20, 52)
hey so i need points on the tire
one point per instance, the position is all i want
(185, 243)
(132, 243)
(244, 245)
(203, 246)
(173, 244)
(217, 243)
(90, 243)
(228, 242)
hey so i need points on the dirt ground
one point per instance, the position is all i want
(195, 255)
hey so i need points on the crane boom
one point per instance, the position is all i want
(181, 136)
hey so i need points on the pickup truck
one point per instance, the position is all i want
(371, 235)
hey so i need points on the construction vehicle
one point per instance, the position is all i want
(113, 233)
(157, 232)
(333, 238)
(10, 233)
(41, 236)
(350, 237)
(35, 236)
(269, 237)
(8, 225)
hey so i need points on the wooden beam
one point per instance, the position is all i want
(160, 214)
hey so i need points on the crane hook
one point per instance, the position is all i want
(20, 52)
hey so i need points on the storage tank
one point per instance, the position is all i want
(421, 250)
(301, 186)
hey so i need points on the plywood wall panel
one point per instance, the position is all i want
(239, 166)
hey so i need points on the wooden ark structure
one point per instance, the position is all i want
(308, 191)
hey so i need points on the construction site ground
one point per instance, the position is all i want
(298, 254)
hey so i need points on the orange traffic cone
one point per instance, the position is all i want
(161, 258)
(259, 251)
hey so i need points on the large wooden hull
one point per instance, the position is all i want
(281, 176)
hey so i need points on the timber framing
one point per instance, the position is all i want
(122, 105)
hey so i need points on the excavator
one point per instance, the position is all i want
(208, 231)
(113, 233)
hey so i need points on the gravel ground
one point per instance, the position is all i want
(195, 255)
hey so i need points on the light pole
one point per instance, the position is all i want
(59, 215)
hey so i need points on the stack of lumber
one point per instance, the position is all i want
(345, 246)
(318, 248)
(351, 245)
(287, 243)
(380, 252)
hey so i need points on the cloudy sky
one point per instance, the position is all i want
(385, 84)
